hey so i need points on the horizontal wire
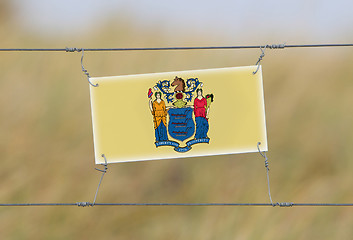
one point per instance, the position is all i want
(36, 204)
(273, 46)
(86, 204)
(226, 204)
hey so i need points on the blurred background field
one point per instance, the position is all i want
(46, 136)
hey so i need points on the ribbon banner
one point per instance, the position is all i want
(178, 114)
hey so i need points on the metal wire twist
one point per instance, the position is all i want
(84, 204)
(67, 49)
(276, 46)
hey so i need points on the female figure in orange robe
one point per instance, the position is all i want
(159, 113)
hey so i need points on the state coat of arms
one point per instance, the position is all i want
(183, 120)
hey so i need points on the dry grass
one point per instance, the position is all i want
(47, 150)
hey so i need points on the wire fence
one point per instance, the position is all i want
(89, 204)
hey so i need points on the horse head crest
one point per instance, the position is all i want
(179, 83)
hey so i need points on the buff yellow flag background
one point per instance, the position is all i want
(123, 126)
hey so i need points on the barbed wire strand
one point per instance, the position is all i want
(87, 204)
(272, 46)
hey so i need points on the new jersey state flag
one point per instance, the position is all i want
(178, 114)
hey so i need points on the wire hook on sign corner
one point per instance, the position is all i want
(103, 172)
(258, 63)
(263, 154)
(85, 71)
